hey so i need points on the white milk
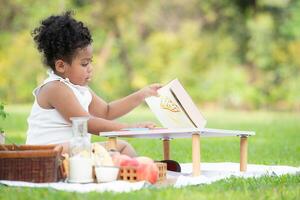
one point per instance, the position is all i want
(80, 170)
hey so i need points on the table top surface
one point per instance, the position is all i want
(170, 133)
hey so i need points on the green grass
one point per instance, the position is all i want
(276, 142)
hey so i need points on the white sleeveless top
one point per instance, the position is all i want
(47, 126)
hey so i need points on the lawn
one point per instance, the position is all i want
(276, 143)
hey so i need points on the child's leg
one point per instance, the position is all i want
(123, 147)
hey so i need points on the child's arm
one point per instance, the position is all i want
(61, 98)
(118, 108)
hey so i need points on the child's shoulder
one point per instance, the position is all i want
(54, 93)
(54, 89)
(54, 86)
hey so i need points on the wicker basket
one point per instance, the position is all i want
(31, 163)
(130, 173)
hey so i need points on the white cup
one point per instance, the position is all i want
(106, 173)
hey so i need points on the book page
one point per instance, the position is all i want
(174, 107)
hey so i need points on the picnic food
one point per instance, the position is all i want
(107, 166)
(101, 156)
(122, 160)
(168, 104)
(144, 167)
(147, 169)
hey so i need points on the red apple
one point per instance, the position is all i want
(124, 160)
(131, 162)
(118, 158)
(144, 159)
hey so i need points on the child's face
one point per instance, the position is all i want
(79, 72)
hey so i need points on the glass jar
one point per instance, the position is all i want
(80, 144)
(80, 161)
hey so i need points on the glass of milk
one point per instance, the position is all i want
(80, 161)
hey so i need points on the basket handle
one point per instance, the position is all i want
(62, 170)
(2, 134)
(64, 166)
(4, 147)
(58, 149)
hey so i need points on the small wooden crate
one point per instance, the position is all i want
(130, 173)
(32, 163)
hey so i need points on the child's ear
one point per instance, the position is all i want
(60, 66)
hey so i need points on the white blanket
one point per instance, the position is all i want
(210, 172)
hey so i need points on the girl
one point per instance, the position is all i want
(66, 47)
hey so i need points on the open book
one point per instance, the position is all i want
(174, 108)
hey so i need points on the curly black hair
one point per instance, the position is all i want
(59, 36)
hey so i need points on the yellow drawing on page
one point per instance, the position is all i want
(168, 104)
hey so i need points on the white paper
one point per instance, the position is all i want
(170, 112)
(167, 118)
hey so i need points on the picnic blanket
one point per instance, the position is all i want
(210, 172)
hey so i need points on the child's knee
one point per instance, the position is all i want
(125, 148)
(122, 144)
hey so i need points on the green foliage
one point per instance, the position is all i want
(3, 114)
(238, 54)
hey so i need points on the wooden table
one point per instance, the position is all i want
(195, 133)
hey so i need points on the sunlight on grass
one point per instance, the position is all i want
(275, 143)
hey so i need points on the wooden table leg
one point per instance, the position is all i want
(166, 147)
(196, 154)
(243, 153)
(112, 143)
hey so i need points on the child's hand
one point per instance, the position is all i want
(143, 125)
(150, 90)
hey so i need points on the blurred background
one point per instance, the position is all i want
(232, 54)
